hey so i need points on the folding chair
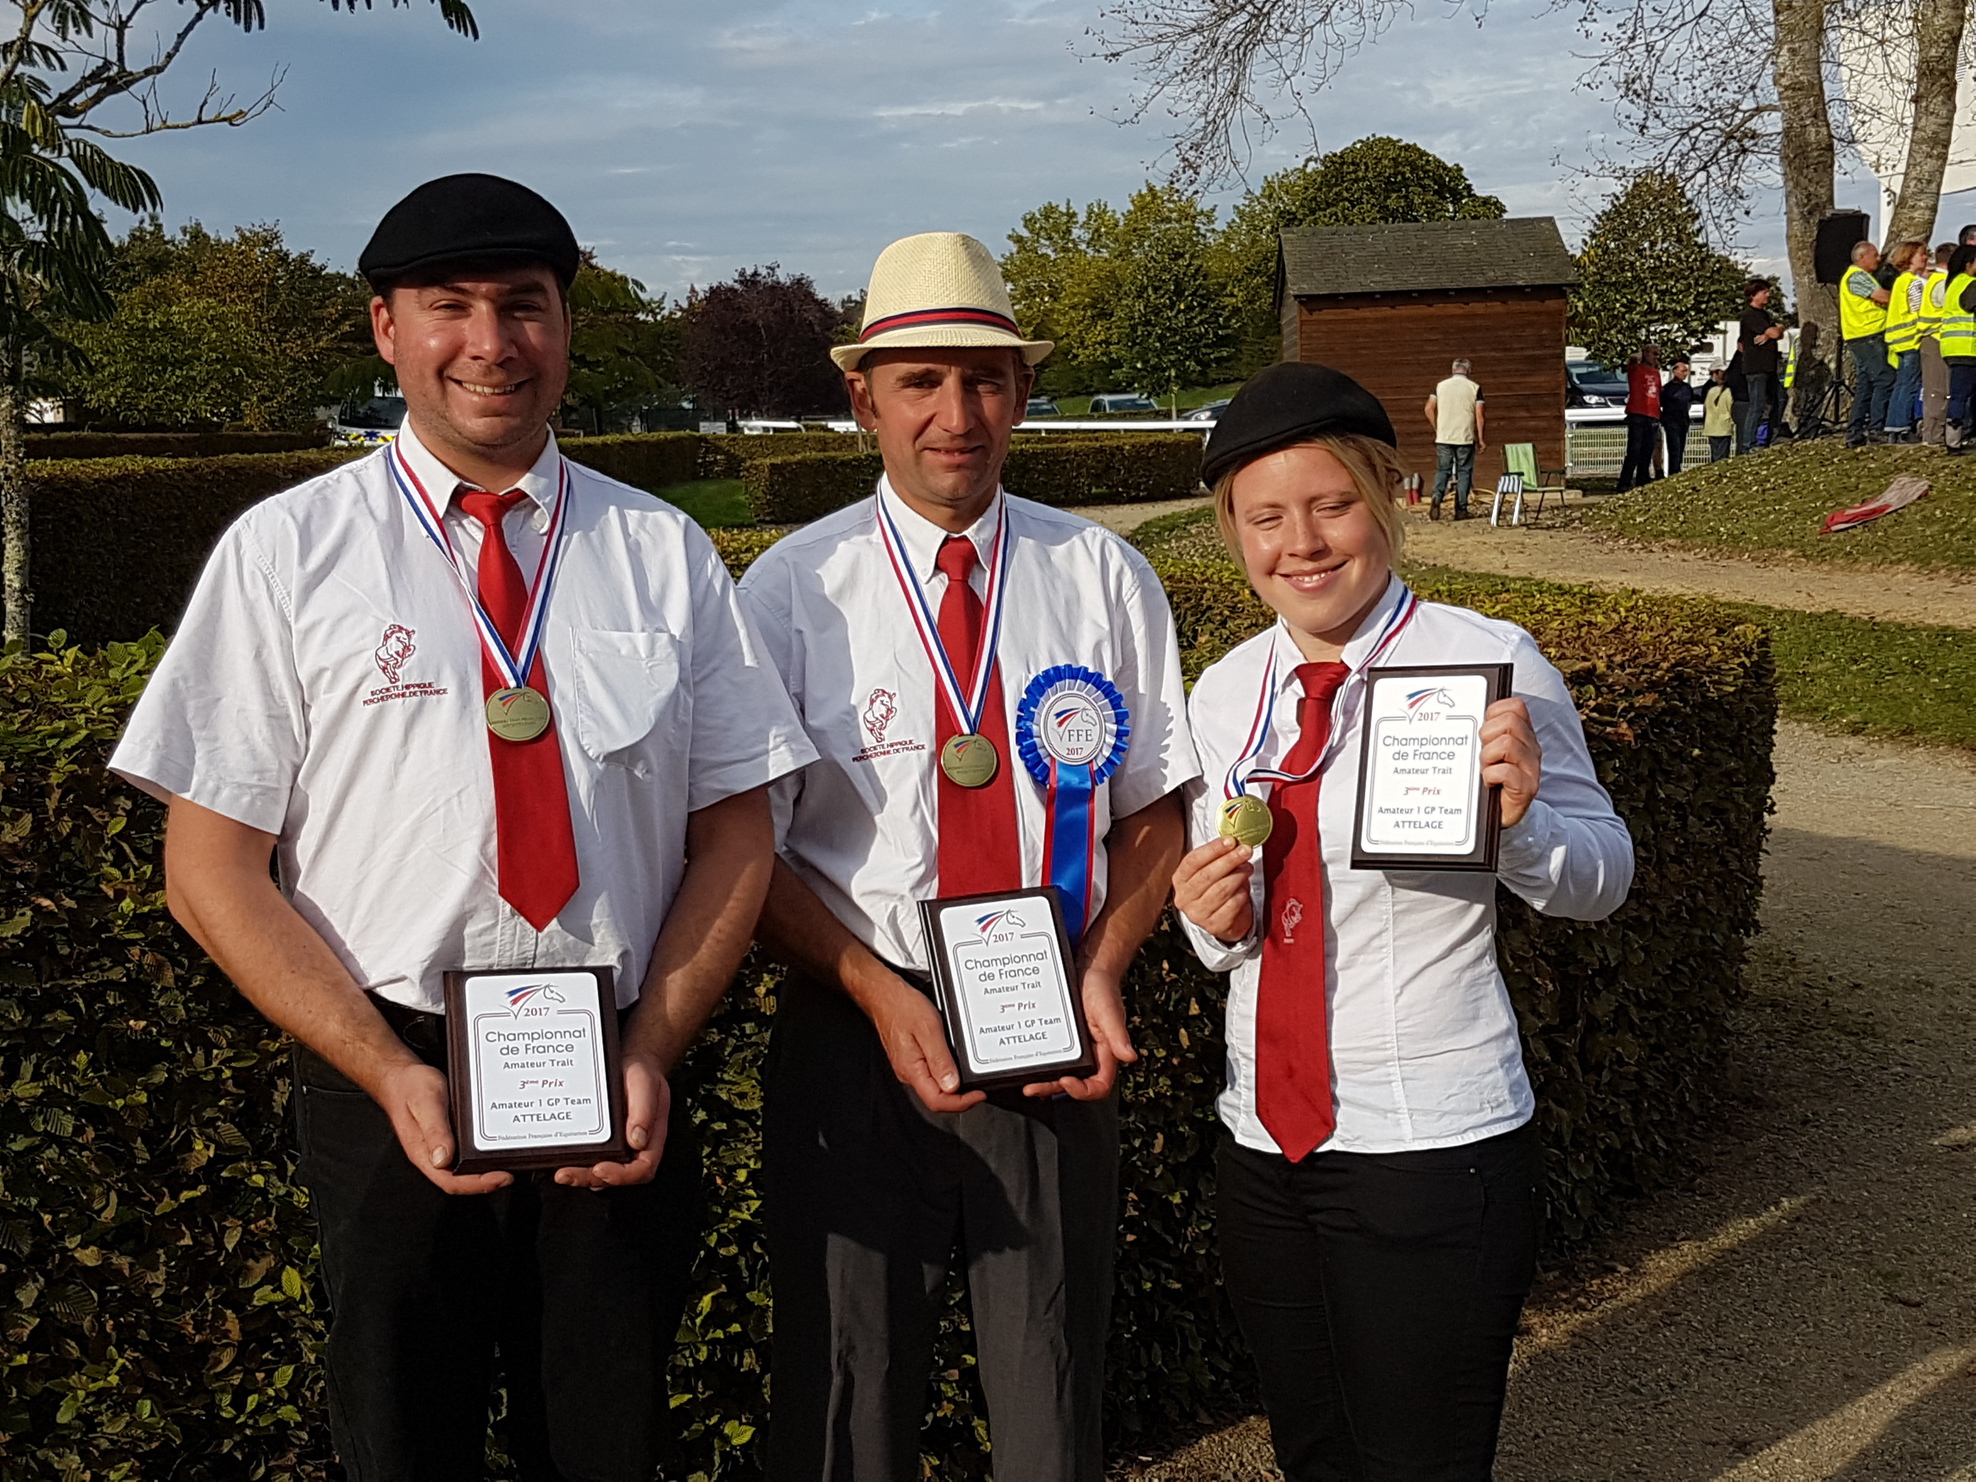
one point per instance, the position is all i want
(1510, 484)
(1521, 458)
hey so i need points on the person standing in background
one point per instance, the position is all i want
(1863, 325)
(1718, 416)
(1959, 343)
(1677, 404)
(1642, 418)
(1757, 338)
(1910, 261)
(1934, 369)
(1456, 414)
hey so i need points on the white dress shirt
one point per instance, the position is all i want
(861, 826)
(325, 687)
(1424, 1046)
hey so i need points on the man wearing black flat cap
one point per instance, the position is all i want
(491, 712)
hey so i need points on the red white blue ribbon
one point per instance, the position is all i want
(514, 668)
(966, 703)
(1236, 783)
(1071, 731)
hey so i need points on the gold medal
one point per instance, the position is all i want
(969, 761)
(518, 713)
(1246, 818)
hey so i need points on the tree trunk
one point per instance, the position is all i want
(13, 496)
(1938, 26)
(1807, 156)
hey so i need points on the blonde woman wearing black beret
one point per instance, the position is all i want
(1381, 1185)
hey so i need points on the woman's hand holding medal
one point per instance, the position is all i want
(1211, 888)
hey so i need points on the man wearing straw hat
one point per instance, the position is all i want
(918, 630)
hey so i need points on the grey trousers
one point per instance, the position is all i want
(1934, 392)
(869, 1195)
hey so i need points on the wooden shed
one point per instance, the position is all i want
(1392, 305)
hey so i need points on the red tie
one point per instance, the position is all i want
(980, 850)
(536, 846)
(1293, 1030)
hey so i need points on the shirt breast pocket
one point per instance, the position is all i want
(628, 696)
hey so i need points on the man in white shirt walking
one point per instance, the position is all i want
(1458, 417)
(459, 767)
(938, 778)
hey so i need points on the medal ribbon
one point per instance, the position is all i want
(514, 670)
(1235, 785)
(1070, 838)
(966, 705)
(1070, 844)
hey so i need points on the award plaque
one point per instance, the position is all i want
(1421, 802)
(1003, 974)
(532, 1065)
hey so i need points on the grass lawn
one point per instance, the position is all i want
(713, 502)
(1847, 673)
(1771, 504)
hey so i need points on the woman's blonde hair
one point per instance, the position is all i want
(1376, 474)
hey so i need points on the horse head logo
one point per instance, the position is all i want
(1293, 915)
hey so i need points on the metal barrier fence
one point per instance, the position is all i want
(1594, 451)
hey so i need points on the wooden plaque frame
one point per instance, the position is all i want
(521, 1158)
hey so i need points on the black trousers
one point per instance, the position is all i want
(1380, 1295)
(868, 1196)
(1677, 444)
(1642, 436)
(570, 1298)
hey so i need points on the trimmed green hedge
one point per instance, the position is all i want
(117, 543)
(1113, 469)
(644, 460)
(170, 444)
(148, 1225)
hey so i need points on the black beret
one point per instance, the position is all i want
(1291, 402)
(461, 217)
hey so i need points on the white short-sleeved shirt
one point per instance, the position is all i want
(325, 687)
(861, 825)
(1424, 1045)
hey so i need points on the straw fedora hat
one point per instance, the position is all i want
(938, 290)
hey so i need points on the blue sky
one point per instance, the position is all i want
(687, 140)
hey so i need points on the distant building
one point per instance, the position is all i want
(1392, 304)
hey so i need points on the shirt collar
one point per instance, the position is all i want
(539, 483)
(1363, 640)
(922, 538)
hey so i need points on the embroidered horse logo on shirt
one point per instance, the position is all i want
(1293, 915)
(879, 711)
(393, 653)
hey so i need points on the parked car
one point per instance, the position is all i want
(1590, 384)
(367, 423)
(1122, 401)
(1042, 406)
(1207, 412)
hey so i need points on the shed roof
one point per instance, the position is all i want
(1412, 256)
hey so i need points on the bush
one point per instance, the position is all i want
(1100, 469)
(170, 444)
(148, 1227)
(644, 460)
(118, 542)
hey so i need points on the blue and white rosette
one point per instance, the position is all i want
(1071, 730)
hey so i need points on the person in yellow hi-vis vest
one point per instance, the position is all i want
(1959, 344)
(1934, 369)
(1863, 325)
(1910, 261)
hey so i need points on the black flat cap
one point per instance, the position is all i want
(1289, 403)
(469, 217)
